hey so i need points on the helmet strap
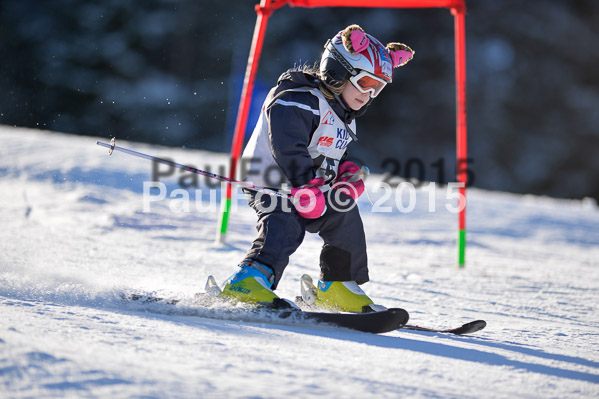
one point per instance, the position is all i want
(347, 109)
(351, 133)
(342, 102)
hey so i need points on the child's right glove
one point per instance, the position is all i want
(347, 171)
(309, 200)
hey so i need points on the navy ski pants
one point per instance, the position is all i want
(281, 231)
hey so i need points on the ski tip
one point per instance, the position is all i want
(480, 324)
(399, 312)
(477, 323)
(470, 327)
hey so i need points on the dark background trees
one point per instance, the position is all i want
(170, 72)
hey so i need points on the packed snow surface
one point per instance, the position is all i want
(77, 233)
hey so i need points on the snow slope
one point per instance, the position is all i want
(74, 238)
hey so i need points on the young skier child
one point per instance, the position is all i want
(300, 141)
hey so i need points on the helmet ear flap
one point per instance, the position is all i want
(359, 41)
(400, 54)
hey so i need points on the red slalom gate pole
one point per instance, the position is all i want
(461, 129)
(264, 9)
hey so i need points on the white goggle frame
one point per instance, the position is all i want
(374, 91)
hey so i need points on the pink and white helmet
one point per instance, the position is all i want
(366, 62)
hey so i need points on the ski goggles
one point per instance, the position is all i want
(365, 82)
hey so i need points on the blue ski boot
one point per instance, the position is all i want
(251, 283)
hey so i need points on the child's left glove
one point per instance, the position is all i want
(309, 200)
(346, 181)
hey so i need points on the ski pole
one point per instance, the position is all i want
(364, 171)
(113, 147)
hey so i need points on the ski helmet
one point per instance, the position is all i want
(352, 52)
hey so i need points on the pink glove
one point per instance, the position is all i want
(309, 200)
(346, 172)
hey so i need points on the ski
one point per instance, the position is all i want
(343, 320)
(283, 312)
(467, 328)
(372, 322)
(309, 293)
(375, 320)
